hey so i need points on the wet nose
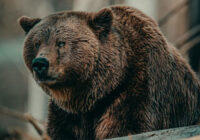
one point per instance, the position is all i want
(40, 65)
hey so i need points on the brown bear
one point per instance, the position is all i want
(109, 74)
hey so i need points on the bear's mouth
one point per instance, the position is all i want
(46, 80)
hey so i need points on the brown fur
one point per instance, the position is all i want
(116, 75)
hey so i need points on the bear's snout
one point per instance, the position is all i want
(40, 66)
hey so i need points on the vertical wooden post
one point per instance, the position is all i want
(147, 6)
(89, 5)
(37, 99)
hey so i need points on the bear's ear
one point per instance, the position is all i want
(27, 23)
(101, 23)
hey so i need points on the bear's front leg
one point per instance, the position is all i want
(63, 125)
(118, 120)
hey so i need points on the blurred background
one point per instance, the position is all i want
(179, 20)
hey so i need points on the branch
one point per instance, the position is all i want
(186, 47)
(193, 138)
(187, 36)
(25, 117)
(177, 8)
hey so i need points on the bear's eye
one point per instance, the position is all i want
(60, 44)
(37, 45)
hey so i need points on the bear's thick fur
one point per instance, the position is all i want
(111, 74)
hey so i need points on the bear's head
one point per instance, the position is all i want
(72, 56)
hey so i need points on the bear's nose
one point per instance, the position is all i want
(40, 65)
